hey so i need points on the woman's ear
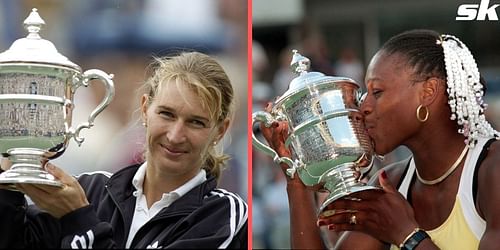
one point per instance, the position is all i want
(432, 88)
(144, 107)
(223, 129)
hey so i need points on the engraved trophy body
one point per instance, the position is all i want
(37, 86)
(329, 144)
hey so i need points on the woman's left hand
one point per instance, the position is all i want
(385, 214)
(57, 201)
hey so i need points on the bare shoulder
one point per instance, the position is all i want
(488, 192)
(394, 172)
(490, 167)
(493, 155)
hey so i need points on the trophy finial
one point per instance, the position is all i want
(33, 48)
(300, 64)
(33, 24)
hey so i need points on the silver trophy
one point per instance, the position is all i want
(37, 86)
(329, 144)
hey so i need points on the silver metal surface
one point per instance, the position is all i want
(329, 144)
(33, 48)
(37, 87)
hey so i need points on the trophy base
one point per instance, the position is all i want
(338, 194)
(29, 176)
(342, 181)
(26, 169)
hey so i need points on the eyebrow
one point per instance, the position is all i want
(374, 79)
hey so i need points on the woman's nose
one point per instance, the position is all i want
(356, 116)
(176, 133)
(365, 105)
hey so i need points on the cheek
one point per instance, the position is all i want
(154, 132)
(395, 128)
(393, 124)
(387, 135)
(203, 142)
(149, 142)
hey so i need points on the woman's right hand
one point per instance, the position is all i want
(276, 136)
(57, 201)
(5, 164)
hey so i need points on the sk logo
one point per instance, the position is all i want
(482, 11)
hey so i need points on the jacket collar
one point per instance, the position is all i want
(121, 189)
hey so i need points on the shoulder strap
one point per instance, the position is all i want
(402, 177)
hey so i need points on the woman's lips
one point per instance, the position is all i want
(370, 130)
(172, 151)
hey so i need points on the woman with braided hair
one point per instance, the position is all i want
(424, 92)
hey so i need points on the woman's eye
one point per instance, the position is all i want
(198, 123)
(166, 114)
(377, 93)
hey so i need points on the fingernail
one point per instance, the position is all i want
(49, 166)
(328, 213)
(384, 175)
(331, 227)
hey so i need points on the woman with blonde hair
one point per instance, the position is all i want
(171, 200)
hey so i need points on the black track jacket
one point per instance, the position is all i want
(205, 217)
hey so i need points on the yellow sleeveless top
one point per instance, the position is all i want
(454, 233)
(445, 236)
(464, 227)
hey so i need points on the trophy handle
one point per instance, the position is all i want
(267, 119)
(106, 79)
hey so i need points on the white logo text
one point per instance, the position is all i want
(482, 11)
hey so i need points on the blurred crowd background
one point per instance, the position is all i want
(121, 37)
(340, 37)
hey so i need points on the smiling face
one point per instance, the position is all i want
(391, 101)
(179, 130)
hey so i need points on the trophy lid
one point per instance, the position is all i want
(300, 66)
(33, 48)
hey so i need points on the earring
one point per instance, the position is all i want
(426, 113)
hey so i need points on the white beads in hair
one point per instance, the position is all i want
(465, 92)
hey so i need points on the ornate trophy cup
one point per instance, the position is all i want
(328, 141)
(37, 86)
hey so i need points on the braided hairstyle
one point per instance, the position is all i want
(421, 51)
(446, 57)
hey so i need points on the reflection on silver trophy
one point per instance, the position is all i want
(329, 145)
(37, 86)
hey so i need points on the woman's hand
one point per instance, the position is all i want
(5, 164)
(383, 214)
(57, 201)
(275, 136)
